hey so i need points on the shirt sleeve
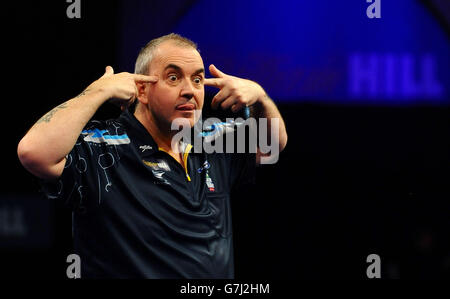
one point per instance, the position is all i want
(79, 185)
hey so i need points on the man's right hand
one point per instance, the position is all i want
(43, 149)
(120, 88)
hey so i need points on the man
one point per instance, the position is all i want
(142, 207)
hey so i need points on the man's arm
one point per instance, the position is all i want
(43, 149)
(266, 108)
(237, 93)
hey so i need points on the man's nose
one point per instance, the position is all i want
(187, 90)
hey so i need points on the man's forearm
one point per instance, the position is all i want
(53, 136)
(266, 108)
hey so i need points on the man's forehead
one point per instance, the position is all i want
(170, 55)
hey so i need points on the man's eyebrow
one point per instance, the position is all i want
(173, 66)
(178, 69)
(199, 71)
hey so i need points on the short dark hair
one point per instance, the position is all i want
(146, 54)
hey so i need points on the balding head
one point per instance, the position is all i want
(147, 53)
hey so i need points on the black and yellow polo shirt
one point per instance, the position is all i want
(138, 213)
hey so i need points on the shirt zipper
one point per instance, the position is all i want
(184, 160)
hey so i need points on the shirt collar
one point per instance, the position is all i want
(141, 138)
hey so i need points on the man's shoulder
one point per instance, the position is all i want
(111, 131)
(112, 123)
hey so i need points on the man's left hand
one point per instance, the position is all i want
(235, 92)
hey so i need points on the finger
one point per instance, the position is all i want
(219, 97)
(108, 71)
(215, 82)
(144, 78)
(130, 102)
(216, 72)
(237, 106)
(136, 94)
(132, 97)
(124, 104)
(228, 102)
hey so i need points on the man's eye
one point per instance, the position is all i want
(173, 78)
(197, 80)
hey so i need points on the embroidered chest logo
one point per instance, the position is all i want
(145, 147)
(159, 177)
(103, 136)
(159, 165)
(209, 182)
(159, 168)
(205, 166)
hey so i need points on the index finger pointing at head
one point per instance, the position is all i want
(144, 78)
(216, 82)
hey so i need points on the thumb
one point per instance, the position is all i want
(216, 72)
(108, 71)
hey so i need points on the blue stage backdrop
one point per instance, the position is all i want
(309, 51)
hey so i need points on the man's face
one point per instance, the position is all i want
(179, 90)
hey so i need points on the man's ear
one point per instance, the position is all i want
(142, 89)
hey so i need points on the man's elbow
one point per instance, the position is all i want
(283, 142)
(270, 155)
(34, 162)
(25, 153)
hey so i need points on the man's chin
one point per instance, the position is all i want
(187, 117)
(184, 121)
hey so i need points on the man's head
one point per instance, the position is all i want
(179, 90)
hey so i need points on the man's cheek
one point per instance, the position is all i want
(200, 99)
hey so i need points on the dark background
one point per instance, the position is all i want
(354, 179)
